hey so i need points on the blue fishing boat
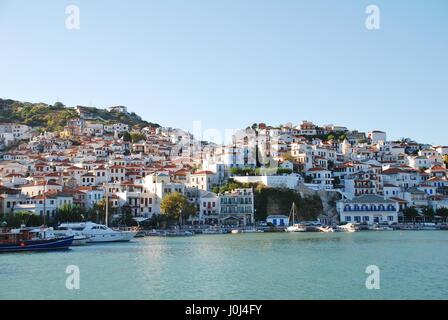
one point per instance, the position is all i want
(32, 239)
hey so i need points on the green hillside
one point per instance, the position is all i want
(54, 117)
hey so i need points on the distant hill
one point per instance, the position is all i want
(55, 117)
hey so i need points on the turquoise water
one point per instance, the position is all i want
(413, 264)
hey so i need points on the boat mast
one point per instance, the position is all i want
(107, 196)
(45, 200)
(293, 213)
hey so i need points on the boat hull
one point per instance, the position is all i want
(295, 229)
(80, 241)
(38, 245)
(112, 237)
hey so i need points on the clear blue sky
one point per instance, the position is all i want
(235, 62)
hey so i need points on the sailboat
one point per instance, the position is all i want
(295, 227)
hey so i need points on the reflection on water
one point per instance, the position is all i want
(243, 266)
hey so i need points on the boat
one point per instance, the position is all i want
(349, 227)
(235, 231)
(99, 233)
(213, 231)
(154, 233)
(78, 238)
(378, 227)
(179, 233)
(252, 230)
(32, 239)
(324, 229)
(430, 226)
(295, 227)
(140, 234)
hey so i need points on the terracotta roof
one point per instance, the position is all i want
(437, 179)
(42, 183)
(203, 172)
(437, 168)
(393, 171)
(317, 169)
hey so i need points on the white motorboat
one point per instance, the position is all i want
(430, 226)
(252, 230)
(213, 231)
(378, 227)
(235, 231)
(349, 227)
(295, 227)
(179, 233)
(100, 233)
(324, 229)
(78, 238)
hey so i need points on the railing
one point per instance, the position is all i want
(369, 210)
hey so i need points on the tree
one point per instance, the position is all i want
(98, 212)
(18, 218)
(156, 221)
(126, 217)
(442, 212)
(190, 210)
(428, 213)
(58, 105)
(69, 213)
(445, 159)
(336, 181)
(126, 136)
(137, 136)
(176, 207)
(288, 157)
(308, 179)
(281, 171)
(410, 214)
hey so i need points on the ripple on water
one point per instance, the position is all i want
(414, 265)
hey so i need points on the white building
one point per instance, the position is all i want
(377, 136)
(369, 209)
(321, 177)
(209, 208)
(237, 207)
(278, 220)
(204, 180)
(290, 181)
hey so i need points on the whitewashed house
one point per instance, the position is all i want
(368, 209)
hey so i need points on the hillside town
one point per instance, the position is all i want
(375, 180)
